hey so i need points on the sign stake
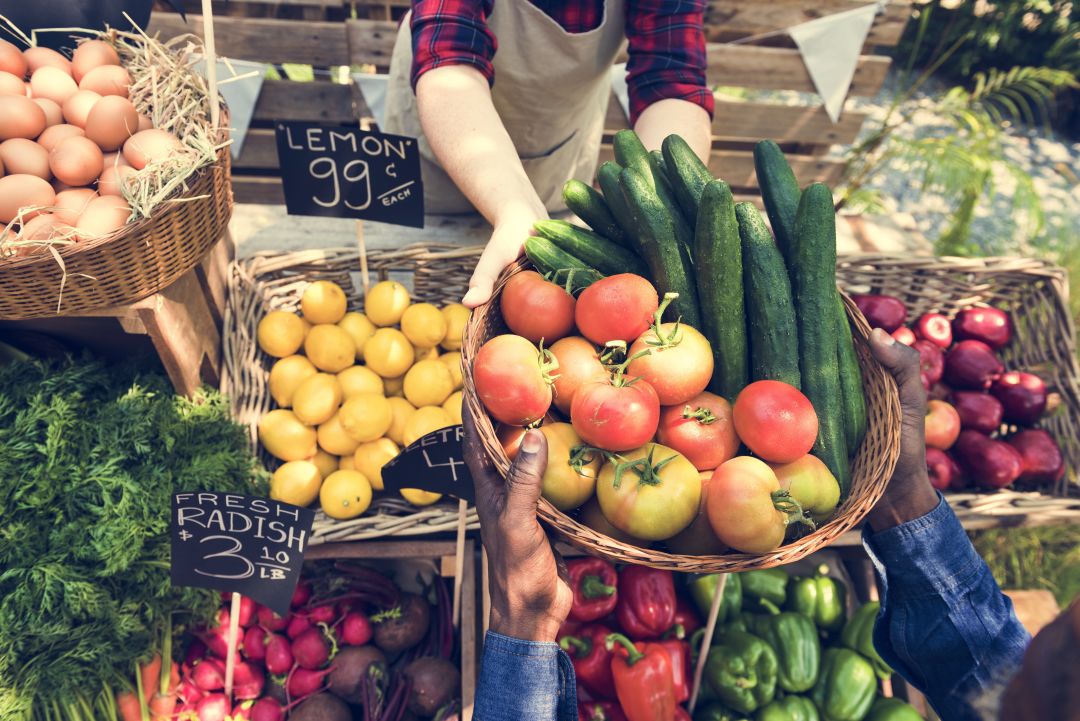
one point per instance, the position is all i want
(234, 641)
(211, 62)
(485, 591)
(459, 558)
(362, 244)
(706, 640)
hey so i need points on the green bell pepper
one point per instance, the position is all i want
(767, 585)
(858, 635)
(789, 708)
(798, 650)
(703, 589)
(741, 670)
(717, 712)
(892, 709)
(845, 687)
(820, 598)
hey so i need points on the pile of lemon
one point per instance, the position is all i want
(353, 388)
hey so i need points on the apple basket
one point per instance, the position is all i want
(871, 468)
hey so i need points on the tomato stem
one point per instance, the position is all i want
(614, 353)
(548, 363)
(702, 415)
(618, 373)
(671, 339)
(647, 471)
(784, 502)
(582, 455)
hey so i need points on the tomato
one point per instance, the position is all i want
(510, 436)
(811, 483)
(568, 481)
(619, 307)
(614, 414)
(698, 538)
(513, 379)
(701, 429)
(746, 506)
(674, 358)
(775, 421)
(579, 363)
(537, 309)
(592, 517)
(655, 495)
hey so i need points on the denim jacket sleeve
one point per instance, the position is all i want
(524, 680)
(945, 626)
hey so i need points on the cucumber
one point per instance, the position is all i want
(813, 284)
(608, 178)
(630, 153)
(549, 258)
(684, 232)
(591, 248)
(718, 269)
(574, 280)
(687, 173)
(667, 258)
(770, 312)
(851, 382)
(779, 191)
(591, 207)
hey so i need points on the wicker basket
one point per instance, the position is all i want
(871, 468)
(126, 266)
(275, 281)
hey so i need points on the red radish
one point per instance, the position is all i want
(1041, 455)
(310, 649)
(267, 709)
(304, 682)
(323, 614)
(189, 692)
(279, 658)
(195, 652)
(989, 325)
(935, 328)
(882, 311)
(1022, 395)
(297, 625)
(972, 365)
(247, 612)
(301, 595)
(904, 335)
(931, 361)
(978, 411)
(248, 681)
(214, 707)
(217, 640)
(270, 620)
(242, 711)
(255, 644)
(209, 674)
(356, 629)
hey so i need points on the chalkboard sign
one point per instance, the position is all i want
(230, 542)
(344, 172)
(434, 463)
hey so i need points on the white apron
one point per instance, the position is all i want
(551, 91)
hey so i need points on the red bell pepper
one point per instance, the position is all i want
(593, 583)
(687, 617)
(600, 711)
(592, 659)
(679, 652)
(643, 680)
(646, 605)
(682, 714)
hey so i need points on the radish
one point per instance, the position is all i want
(270, 620)
(311, 650)
(255, 644)
(189, 692)
(248, 681)
(209, 674)
(247, 612)
(267, 709)
(279, 658)
(214, 707)
(356, 629)
(217, 641)
(322, 614)
(187, 712)
(195, 652)
(242, 711)
(297, 625)
(301, 595)
(304, 682)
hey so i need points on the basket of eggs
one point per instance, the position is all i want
(113, 182)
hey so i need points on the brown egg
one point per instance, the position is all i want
(54, 115)
(146, 146)
(42, 227)
(11, 85)
(12, 60)
(44, 58)
(52, 83)
(20, 117)
(76, 161)
(107, 80)
(20, 155)
(102, 216)
(111, 121)
(112, 179)
(116, 160)
(70, 204)
(23, 191)
(78, 106)
(145, 123)
(55, 133)
(92, 54)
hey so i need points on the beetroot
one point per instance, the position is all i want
(255, 644)
(270, 620)
(209, 674)
(356, 629)
(195, 652)
(214, 707)
(978, 411)
(310, 649)
(297, 625)
(350, 670)
(935, 328)
(304, 682)
(1040, 456)
(882, 311)
(321, 707)
(989, 325)
(987, 463)
(1022, 395)
(267, 709)
(972, 365)
(279, 658)
(405, 627)
(904, 335)
(435, 682)
(323, 614)
(248, 681)
(246, 615)
(931, 361)
(301, 595)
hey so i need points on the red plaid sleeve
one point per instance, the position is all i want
(451, 32)
(667, 53)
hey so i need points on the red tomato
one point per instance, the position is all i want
(615, 414)
(537, 309)
(513, 379)
(698, 538)
(619, 307)
(510, 436)
(701, 429)
(775, 421)
(579, 363)
(679, 364)
(744, 506)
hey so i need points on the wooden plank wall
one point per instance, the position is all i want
(329, 33)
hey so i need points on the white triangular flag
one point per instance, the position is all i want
(830, 47)
(619, 87)
(373, 88)
(240, 83)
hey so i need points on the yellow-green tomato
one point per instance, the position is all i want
(651, 493)
(567, 482)
(811, 483)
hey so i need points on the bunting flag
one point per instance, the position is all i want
(240, 84)
(373, 88)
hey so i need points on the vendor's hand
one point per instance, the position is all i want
(909, 494)
(529, 599)
(503, 248)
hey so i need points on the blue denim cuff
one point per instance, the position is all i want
(524, 680)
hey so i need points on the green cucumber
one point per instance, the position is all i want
(687, 173)
(549, 258)
(630, 153)
(608, 178)
(684, 232)
(779, 191)
(591, 207)
(770, 311)
(718, 268)
(591, 248)
(851, 381)
(667, 258)
(813, 285)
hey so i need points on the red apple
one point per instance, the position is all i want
(945, 473)
(1022, 395)
(935, 328)
(931, 361)
(904, 335)
(972, 365)
(942, 425)
(986, 462)
(882, 311)
(978, 411)
(990, 325)
(1041, 456)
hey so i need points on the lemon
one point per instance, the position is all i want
(316, 399)
(359, 379)
(452, 361)
(403, 411)
(386, 302)
(296, 482)
(323, 302)
(424, 421)
(359, 328)
(285, 437)
(286, 375)
(424, 325)
(280, 333)
(456, 316)
(452, 405)
(333, 438)
(420, 498)
(394, 387)
(345, 494)
(371, 457)
(347, 463)
(389, 353)
(366, 417)
(420, 354)
(327, 463)
(329, 348)
(428, 383)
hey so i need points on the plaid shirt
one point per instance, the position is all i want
(666, 43)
